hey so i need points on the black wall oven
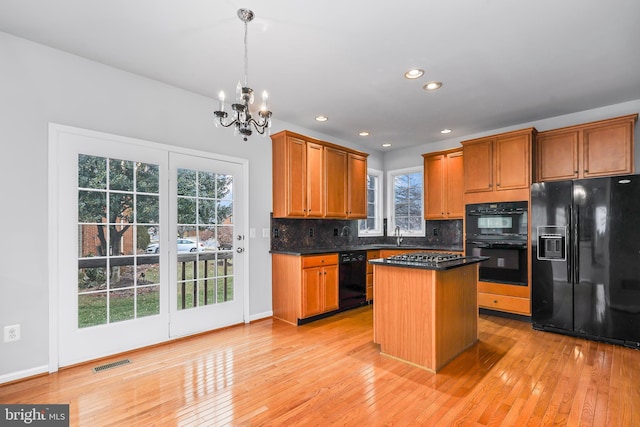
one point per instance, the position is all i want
(499, 231)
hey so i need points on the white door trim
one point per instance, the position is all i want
(55, 133)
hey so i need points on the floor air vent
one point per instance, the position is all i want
(111, 365)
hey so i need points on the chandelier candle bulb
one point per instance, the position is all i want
(221, 98)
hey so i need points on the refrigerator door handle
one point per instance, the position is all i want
(569, 242)
(576, 247)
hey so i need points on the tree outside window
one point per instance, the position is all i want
(406, 204)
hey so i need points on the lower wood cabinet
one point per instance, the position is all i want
(371, 255)
(319, 285)
(501, 297)
(304, 286)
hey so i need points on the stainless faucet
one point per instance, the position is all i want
(398, 235)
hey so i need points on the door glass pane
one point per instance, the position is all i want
(205, 238)
(118, 269)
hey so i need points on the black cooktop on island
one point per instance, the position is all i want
(428, 260)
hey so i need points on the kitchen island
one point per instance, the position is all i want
(426, 307)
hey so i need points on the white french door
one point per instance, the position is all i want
(207, 282)
(145, 244)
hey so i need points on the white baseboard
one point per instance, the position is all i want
(13, 376)
(259, 316)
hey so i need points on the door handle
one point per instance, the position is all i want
(240, 250)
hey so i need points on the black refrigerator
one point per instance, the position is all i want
(585, 253)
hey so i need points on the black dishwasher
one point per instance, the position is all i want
(352, 284)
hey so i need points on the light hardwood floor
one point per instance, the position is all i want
(330, 373)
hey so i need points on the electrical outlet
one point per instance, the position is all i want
(335, 231)
(11, 333)
(435, 231)
(275, 233)
(311, 232)
(265, 233)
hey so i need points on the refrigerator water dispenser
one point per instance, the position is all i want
(552, 243)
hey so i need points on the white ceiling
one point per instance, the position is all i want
(502, 62)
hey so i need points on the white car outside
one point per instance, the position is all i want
(184, 246)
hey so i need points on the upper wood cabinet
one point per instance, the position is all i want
(336, 182)
(444, 184)
(317, 179)
(315, 176)
(498, 167)
(357, 186)
(588, 150)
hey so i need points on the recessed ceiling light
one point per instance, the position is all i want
(364, 133)
(432, 86)
(386, 144)
(445, 131)
(414, 73)
(322, 118)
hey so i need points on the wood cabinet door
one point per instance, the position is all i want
(357, 187)
(455, 185)
(297, 177)
(315, 180)
(331, 292)
(513, 162)
(557, 156)
(607, 150)
(434, 186)
(478, 166)
(312, 292)
(335, 183)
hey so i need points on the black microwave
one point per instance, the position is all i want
(497, 221)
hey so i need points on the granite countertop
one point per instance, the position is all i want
(373, 247)
(442, 265)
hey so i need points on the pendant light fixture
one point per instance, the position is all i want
(241, 117)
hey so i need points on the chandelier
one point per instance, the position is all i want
(241, 117)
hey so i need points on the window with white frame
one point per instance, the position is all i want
(405, 201)
(372, 226)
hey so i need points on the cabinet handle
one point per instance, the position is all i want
(495, 301)
(586, 171)
(575, 171)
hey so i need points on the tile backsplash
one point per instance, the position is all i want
(289, 233)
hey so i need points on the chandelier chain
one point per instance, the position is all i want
(246, 54)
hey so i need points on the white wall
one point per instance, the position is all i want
(39, 85)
